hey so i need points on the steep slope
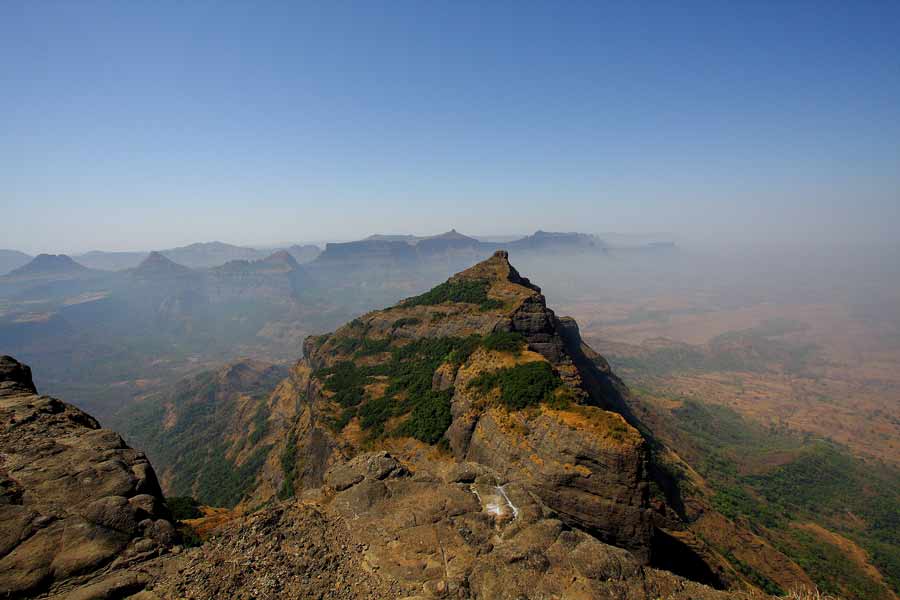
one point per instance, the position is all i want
(157, 266)
(208, 436)
(479, 371)
(76, 503)
(12, 259)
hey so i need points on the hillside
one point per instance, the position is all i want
(479, 375)
(12, 259)
(206, 435)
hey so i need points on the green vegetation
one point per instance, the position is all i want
(405, 321)
(757, 578)
(369, 346)
(221, 483)
(471, 291)
(835, 575)
(187, 536)
(288, 467)
(183, 507)
(260, 424)
(194, 445)
(520, 386)
(776, 477)
(430, 418)
(504, 341)
(346, 380)
(409, 374)
(375, 413)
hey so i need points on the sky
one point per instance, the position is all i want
(140, 125)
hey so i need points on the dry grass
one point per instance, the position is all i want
(808, 594)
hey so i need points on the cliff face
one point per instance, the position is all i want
(74, 499)
(480, 368)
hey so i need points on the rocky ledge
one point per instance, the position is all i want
(76, 503)
(446, 530)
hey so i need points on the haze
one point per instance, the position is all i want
(139, 126)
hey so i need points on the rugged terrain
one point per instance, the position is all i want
(462, 443)
(477, 371)
(83, 519)
(76, 503)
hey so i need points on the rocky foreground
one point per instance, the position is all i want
(75, 501)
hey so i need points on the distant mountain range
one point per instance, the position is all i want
(201, 255)
(378, 247)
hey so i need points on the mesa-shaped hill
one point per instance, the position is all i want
(549, 241)
(75, 501)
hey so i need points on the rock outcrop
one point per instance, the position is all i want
(409, 374)
(75, 501)
(445, 530)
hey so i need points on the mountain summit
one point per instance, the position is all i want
(157, 265)
(49, 264)
(472, 414)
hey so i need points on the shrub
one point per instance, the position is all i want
(404, 321)
(288, 467)
(369, 346)
(222, 483)
(430, 418)
(504, 341)
(183, 507)
(472, 291)
(520, 386)
(260, 424)
(346, 381)
(375, 413)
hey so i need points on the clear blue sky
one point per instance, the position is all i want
(131, 125)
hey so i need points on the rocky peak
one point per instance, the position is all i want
(480, 364)
(157, 264)
(49, 264)
(497, 268)
(281, 258)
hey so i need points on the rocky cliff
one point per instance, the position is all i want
(480, 371)
(76, 503)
